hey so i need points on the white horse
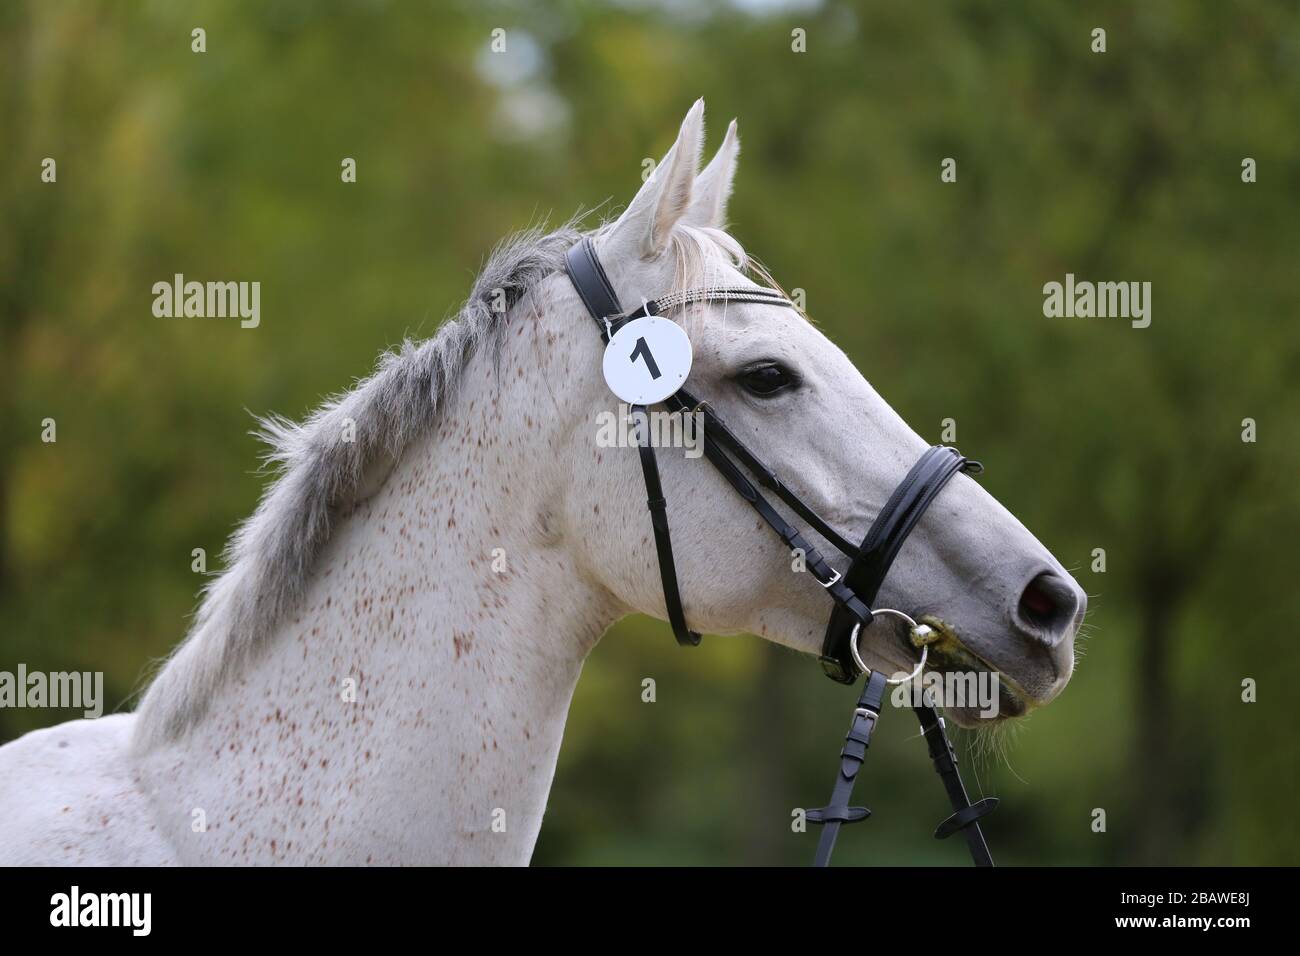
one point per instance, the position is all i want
(382, 674)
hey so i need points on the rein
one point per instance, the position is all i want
(852, 592)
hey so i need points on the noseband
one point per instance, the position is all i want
(853, 593)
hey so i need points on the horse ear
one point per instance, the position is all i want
(663, 200)
(713, 187)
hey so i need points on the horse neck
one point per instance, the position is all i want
(451, 602)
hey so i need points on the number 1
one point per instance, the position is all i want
(643, 351)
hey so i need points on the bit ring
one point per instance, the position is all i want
(857, 655)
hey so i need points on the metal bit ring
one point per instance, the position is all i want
(857, 655)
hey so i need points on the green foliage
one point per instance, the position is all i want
(1117, 166)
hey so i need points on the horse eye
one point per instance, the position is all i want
(766, 378)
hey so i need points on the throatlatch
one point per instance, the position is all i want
(852, 593)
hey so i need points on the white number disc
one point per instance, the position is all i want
(647, 360)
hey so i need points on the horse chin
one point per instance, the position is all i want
(1011, 707)
(949, 655)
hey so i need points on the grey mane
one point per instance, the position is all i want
(270, 555)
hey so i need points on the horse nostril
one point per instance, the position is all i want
(1048, 606)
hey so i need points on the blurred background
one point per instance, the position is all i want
(1122, 166)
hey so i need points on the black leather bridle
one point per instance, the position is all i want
(853, 592)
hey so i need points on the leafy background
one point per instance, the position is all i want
(1116, 166)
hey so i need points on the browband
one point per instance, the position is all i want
(598, 295)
